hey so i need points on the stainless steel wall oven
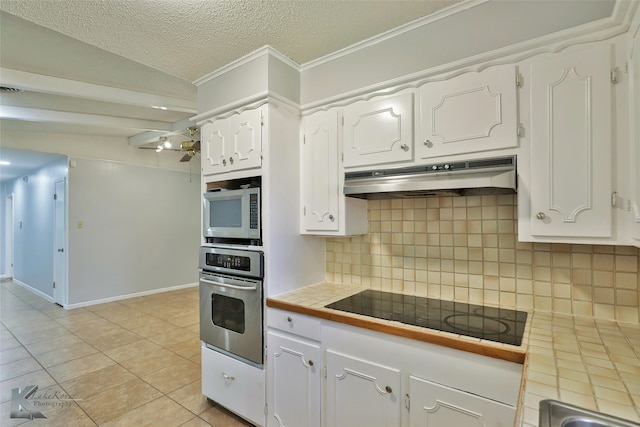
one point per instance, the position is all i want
(231, 301)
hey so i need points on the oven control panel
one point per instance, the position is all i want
(232, 261)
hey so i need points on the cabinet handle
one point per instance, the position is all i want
(541, 215)
(228, 377)
(388, 389)
(405, 147)
(310, 362)
(224, 162)
(289, 319)
(331, 218)
(428, 143)
(231, 160)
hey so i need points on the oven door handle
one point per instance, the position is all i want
(241, 288)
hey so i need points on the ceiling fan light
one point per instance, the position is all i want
(167, 144)
(159, 148)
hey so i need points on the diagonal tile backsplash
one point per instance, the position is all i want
(466, 248)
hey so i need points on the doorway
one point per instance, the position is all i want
(60, 243)
(8, 234)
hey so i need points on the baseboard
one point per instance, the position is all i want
(127, 296)
(34, 290)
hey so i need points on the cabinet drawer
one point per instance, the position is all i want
(295, 323)
(234, 384)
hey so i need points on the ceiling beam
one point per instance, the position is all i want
(64, 87)
(177, 128)
(40, 115)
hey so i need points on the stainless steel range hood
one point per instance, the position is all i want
(463, 178)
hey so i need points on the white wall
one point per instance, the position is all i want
(33, 225)
(132, 229)
(140, 211)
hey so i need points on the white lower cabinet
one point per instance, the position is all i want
(361, 392)
(323, 373)
(294, 366)
(233, 384)
(435, 405)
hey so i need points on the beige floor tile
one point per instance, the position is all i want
(41, 378)
(175, 376)
(152, 328)
(191, 397)
(8, 341)
(66, 354)
(178, 336)
(148, 364)
(188, 349)
(13, 354)
(140, 348)
(112, 339)
(160, 412)
(220, 417)
(39, 331)
(196, 422)
(56, 343)
(98, 381)
(18, 368)
(79, 367)
(119, 400)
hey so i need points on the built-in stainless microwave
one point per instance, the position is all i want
(231, 214)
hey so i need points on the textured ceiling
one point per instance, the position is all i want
(192, 38)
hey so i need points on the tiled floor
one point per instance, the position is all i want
(125, 363)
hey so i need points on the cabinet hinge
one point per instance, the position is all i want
(325, 372)
(407, 401)
(520, 130)
(519, 80)
(54, 285)
(304, 211)
(614, 75)
(304, 139)
(614, 199)
(342, 120)
(55, 196)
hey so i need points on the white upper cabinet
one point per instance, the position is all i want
(325, 209)
(571, 144)
(233, 143)
(469, 113)
(379, 131)
(634, 115)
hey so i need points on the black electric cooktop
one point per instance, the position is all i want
(488, 323)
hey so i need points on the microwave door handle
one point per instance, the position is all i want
(241, 288)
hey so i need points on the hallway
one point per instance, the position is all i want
(130, 362)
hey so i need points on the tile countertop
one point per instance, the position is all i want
(587, 362)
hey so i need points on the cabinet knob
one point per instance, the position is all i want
(224, 162)
(289, 319)
(228, 377)
(310, 362)
(428, 143)
(541, 215)
(388, 389)
(231, 160)
(405, 147)
(331, 218)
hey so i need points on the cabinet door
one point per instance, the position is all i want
(469, 113)
(571, 144)
(246, 130)
(435, 405)
(379, 131)
(214, 147)
(293, 381)
(320, 180)
(635, 140)
(233, 143)
(361, 393)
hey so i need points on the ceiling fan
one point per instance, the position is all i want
(190, 147)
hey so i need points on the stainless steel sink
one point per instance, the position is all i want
(559, 414)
